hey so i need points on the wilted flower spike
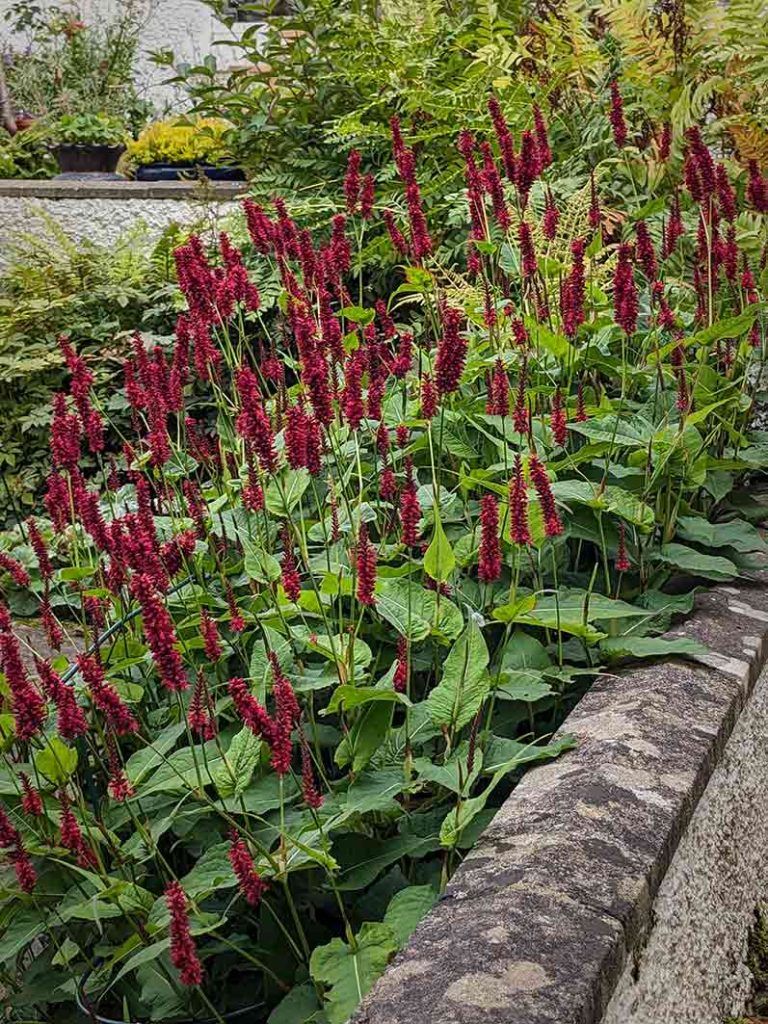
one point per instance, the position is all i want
(623, 563)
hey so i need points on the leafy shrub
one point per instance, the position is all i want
(352, 568)
(181, 141)
(88, 129)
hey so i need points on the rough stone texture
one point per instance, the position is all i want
(541, 919)
(103, 212)
(693, 967)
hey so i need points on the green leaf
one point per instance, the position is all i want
(297, 1007)
(284, 493)
(365, 737)
(651, 646)
(523, 684)
(22, 928)
(142, 762)
(235, 770)
(512, 612)
(355, 696)
(142, 956)
(415, 611)
(347, 973)
(212, 872)
(406, 909)
(737, 534)
(464, 685)
(259, 565)
(711, 567)
(452, 774)
(439, 559)
(56, 761)
(375, 790)
(260, 669)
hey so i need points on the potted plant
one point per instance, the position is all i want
(88, 143)
(182, 148)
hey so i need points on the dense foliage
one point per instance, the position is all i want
(356, 559)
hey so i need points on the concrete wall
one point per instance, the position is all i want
(102, 212)
(187, 27)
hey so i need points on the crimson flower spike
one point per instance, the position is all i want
(553, 525)
(519, 530)
(489, 564)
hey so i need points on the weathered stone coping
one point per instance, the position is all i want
(29, 188)
(555, 900)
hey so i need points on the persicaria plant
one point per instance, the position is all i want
(353, 565)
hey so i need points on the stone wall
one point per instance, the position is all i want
(103, 211)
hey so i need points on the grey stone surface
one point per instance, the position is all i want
(110, 188)
(555, 900)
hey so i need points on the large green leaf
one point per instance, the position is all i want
(260, 669)
(651, 646)
(349, 973)
(235, 770)
(300, 1005)
(738, 534)
(439, 559)
(365, 737)
(711, 567)
(355, 696)
(464, 684)
(285, 492)
(56, 761)
(416, 612)
(612, 499)
(22, 928)
(406, 909)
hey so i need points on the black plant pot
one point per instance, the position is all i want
(187, 172)
(75, 160)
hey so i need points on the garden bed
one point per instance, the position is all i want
(618, 883)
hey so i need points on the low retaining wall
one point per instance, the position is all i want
(618, 883)
(102, 211)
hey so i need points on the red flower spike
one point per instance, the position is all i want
(9, 836)
(65, 435)
(551, 217)
(70, 718)
(451, 353)
(183, 951)
(757, 188)
(367, 196)
(489, 564)
(211, 639)
(119, 786)
(31, 801)
(623, 563)
(27, 706)
(492, 184)
(573, 292)
(665, 142)
(726, 197)
(519, 530)
(618, 124)
(290, 576)
(395, 234)
(200, 713)
(527, 166)
(521, 420)
(311, 794)
(104, 696)
(428, 396)
(542, 138)
(352, 181)
(26, 875)
(160, 634)
(645, 253)
(497, 403)
(15, 570)
(400, 677)
(410, 509)
(70, 836)
(527, 251)
(366, 567)
(504, 138)
(625, 299)
(595, 215)
(252, 714)
(41, 549)
(558, 420)
(252, 885)
(552, 523)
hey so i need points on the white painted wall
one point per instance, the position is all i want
(187, 27)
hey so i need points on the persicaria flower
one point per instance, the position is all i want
(104, 696)
(70, 836)
(210, 633)
(497, 403)
(519, 530)
(352, 180)
(119, 786)
(290, 577)
(9, 836)
(428, 395)
(504, 138)
(251, 884)
(595, 216)
(27, 706)
(366, 567)
(40, 548)
(552, 523)
(618, 124)
(395, 234)
(367, 196)
(236, 621)
(451, 353)
(489, 564)
(492, 184)
(665, 141)
(726, 197)
(253, 715)
(26, 875)
(31, 801)
(757, 188)
(311, 794)
(699, 168)
(623, 563)
(551, 217)
(183, 951)
(200, 713)
(400, 678)
(15, 570)
(558, 420)
(527, 251)
(573, 291)
(160, 633)
(65, 435)
(527, 167)
(287, 714)
(520, 416)
(410, 509)
(70, 719)
(645, 253)
(625, 299)
(542, 138)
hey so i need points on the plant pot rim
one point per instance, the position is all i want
(89, 145)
